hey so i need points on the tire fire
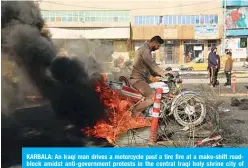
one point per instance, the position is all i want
(118, 108)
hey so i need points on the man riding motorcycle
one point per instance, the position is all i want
(145, 66)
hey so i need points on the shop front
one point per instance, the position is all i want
(238, 47)
(193, 49)
(168, 52)
(205, 37)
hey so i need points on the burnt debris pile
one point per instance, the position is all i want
(241, 103)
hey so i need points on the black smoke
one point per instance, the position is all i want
(64, 81)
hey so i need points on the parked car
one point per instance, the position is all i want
(201, 64)
(197, 64)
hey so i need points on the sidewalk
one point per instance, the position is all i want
(237, 66)
(206, 80)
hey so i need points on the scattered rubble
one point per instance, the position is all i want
(242, 103)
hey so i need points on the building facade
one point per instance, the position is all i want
(92, 31)
(236, 25)
(188, 27)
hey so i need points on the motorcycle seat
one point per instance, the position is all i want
(131, 92)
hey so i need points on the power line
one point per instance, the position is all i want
(163, 7)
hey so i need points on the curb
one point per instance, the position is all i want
(245, 73)
(234, 94)
(205, 81)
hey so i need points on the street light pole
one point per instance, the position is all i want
(224, 28)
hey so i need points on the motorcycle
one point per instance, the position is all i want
(187, 107)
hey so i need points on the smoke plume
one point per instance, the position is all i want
(62, 80)
(67, 82)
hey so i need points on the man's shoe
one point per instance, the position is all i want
(228, 86)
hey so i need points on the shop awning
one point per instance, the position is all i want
(91, 33)
(236, 32)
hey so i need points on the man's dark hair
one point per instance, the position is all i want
(157, 39)
(229, 53)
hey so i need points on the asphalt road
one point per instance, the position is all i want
(233, 124)
(38, 126)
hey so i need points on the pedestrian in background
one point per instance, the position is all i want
(218, 69)
(213, 66)
(228, 69)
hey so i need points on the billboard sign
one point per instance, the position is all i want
(236, 18)
(239, 53)
(206, 32)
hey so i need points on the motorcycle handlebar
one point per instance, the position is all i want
(175, 75)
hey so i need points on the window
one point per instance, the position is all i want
(243, 42)
(69, 16)
(170, 20)
(81, 17)
(174, 19)
(160, 19)
(151, 20)
(142, 20)
(136, 19)
(206, 19)
(63, 16)
(183, 20)
(157, 20)
(86, 16)
(179, 20)
(166, 20)
(211, 19)
(197, 21)
(75, 16)
(216, 19)
(187, 19)
(145, 20)
(192, 20)
(52, 16)
(202, 19)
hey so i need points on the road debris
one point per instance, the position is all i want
(242, 103)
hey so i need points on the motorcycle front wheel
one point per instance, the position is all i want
(189, 109)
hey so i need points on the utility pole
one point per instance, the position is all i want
(224, 28)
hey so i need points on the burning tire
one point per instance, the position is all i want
(189, 109)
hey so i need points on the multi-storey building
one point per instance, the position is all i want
(189, 27)
(236, 25)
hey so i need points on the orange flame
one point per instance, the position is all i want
(118, 108)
